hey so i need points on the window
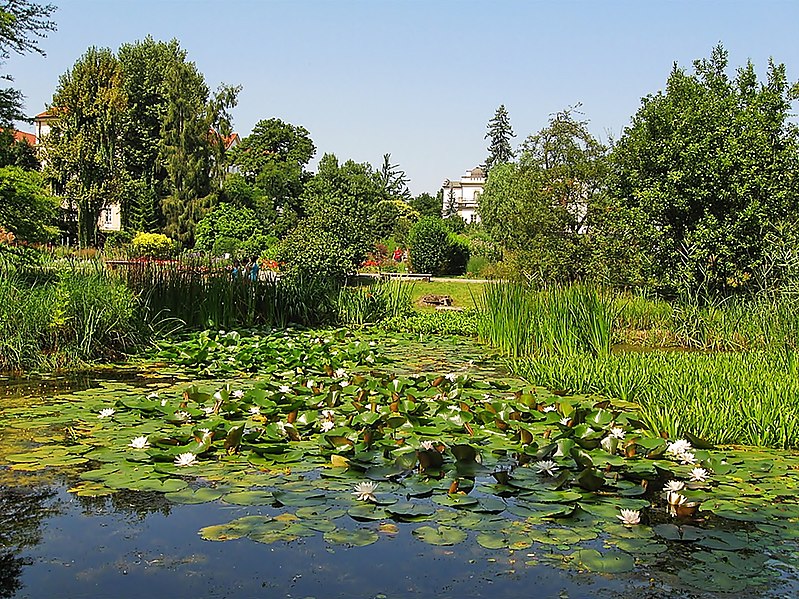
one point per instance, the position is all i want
(108, 220)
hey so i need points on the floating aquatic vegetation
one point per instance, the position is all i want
(461, 459)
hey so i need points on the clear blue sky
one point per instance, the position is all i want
(421, 78)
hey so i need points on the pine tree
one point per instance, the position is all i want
(499, 133)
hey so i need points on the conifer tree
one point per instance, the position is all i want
(499, 133)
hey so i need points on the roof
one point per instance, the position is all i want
(477, 172)
(30, 138)
(43, 116)
(231, 140)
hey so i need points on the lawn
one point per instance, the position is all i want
(463, 293)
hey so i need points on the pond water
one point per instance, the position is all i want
(63, 534)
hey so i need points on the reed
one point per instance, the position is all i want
(749, 397)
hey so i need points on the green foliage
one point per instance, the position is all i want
(710, 163)
(152, 245)
(26, 208)
(21, 22)
(17, 153)
(426, 204)
(335, 236)
(435, 249)
(76, 318)
(499, 132)
(393, 218)
(273, 159)
(538, 209)
(83, 149)
(439, 322)
(560, 320)
(229, 228)
(373, 303)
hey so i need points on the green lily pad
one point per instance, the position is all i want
(353, 538)
(608, 562)
(442, 535)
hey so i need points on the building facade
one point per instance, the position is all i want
(463, 197)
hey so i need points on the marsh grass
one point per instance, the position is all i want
(369, 304)
(521, 321)
(749, 398)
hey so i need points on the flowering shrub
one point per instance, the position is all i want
(152, 245)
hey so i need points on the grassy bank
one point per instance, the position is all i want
(729, 376)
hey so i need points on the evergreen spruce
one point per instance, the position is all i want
(499, 133)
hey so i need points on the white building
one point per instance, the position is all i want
(463, 196)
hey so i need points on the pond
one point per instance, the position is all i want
(422, 484)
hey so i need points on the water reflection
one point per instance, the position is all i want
(22, 512)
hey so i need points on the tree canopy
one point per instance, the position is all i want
(711, 163)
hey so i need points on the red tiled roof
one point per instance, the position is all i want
(230, 140)
(43, 116)
(24, 136)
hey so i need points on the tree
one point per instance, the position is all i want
(426, 204)
(21, 23)
(711, 163)
(26, 207)
(273, 159)
(17, 152)
(394, 180)
(339, 203)
(83, 150)
(499, 135)
(538, 208)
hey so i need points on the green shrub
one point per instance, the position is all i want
(231, 229)
(435, 249)
(152, 245)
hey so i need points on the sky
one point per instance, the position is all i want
(420, 79)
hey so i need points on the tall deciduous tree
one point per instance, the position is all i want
(22, 24)
(499, 134)
(83, 148)
(538, 208)
(711, 163)
(273, 158)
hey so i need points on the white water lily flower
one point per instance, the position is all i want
(255, 410)
(139, 443)
(629, 517)
(238, 394)
(310, 384)
(427, 445)
(163, 402)
(675, 499)
(185, 459)
(396, 382)
(686, 457)
(547, 467)
(365, 491)
(678, 447)
(699, 475)
(617, 432)
(106, 413)
(281, 427)
(208, 410)
(673, 486)
(341, 373)
(451, 377)
(284, 389)
(549, 409)
(609, 444)
(153, 395)
(328, 414)
(565, 421)
(327, 425)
